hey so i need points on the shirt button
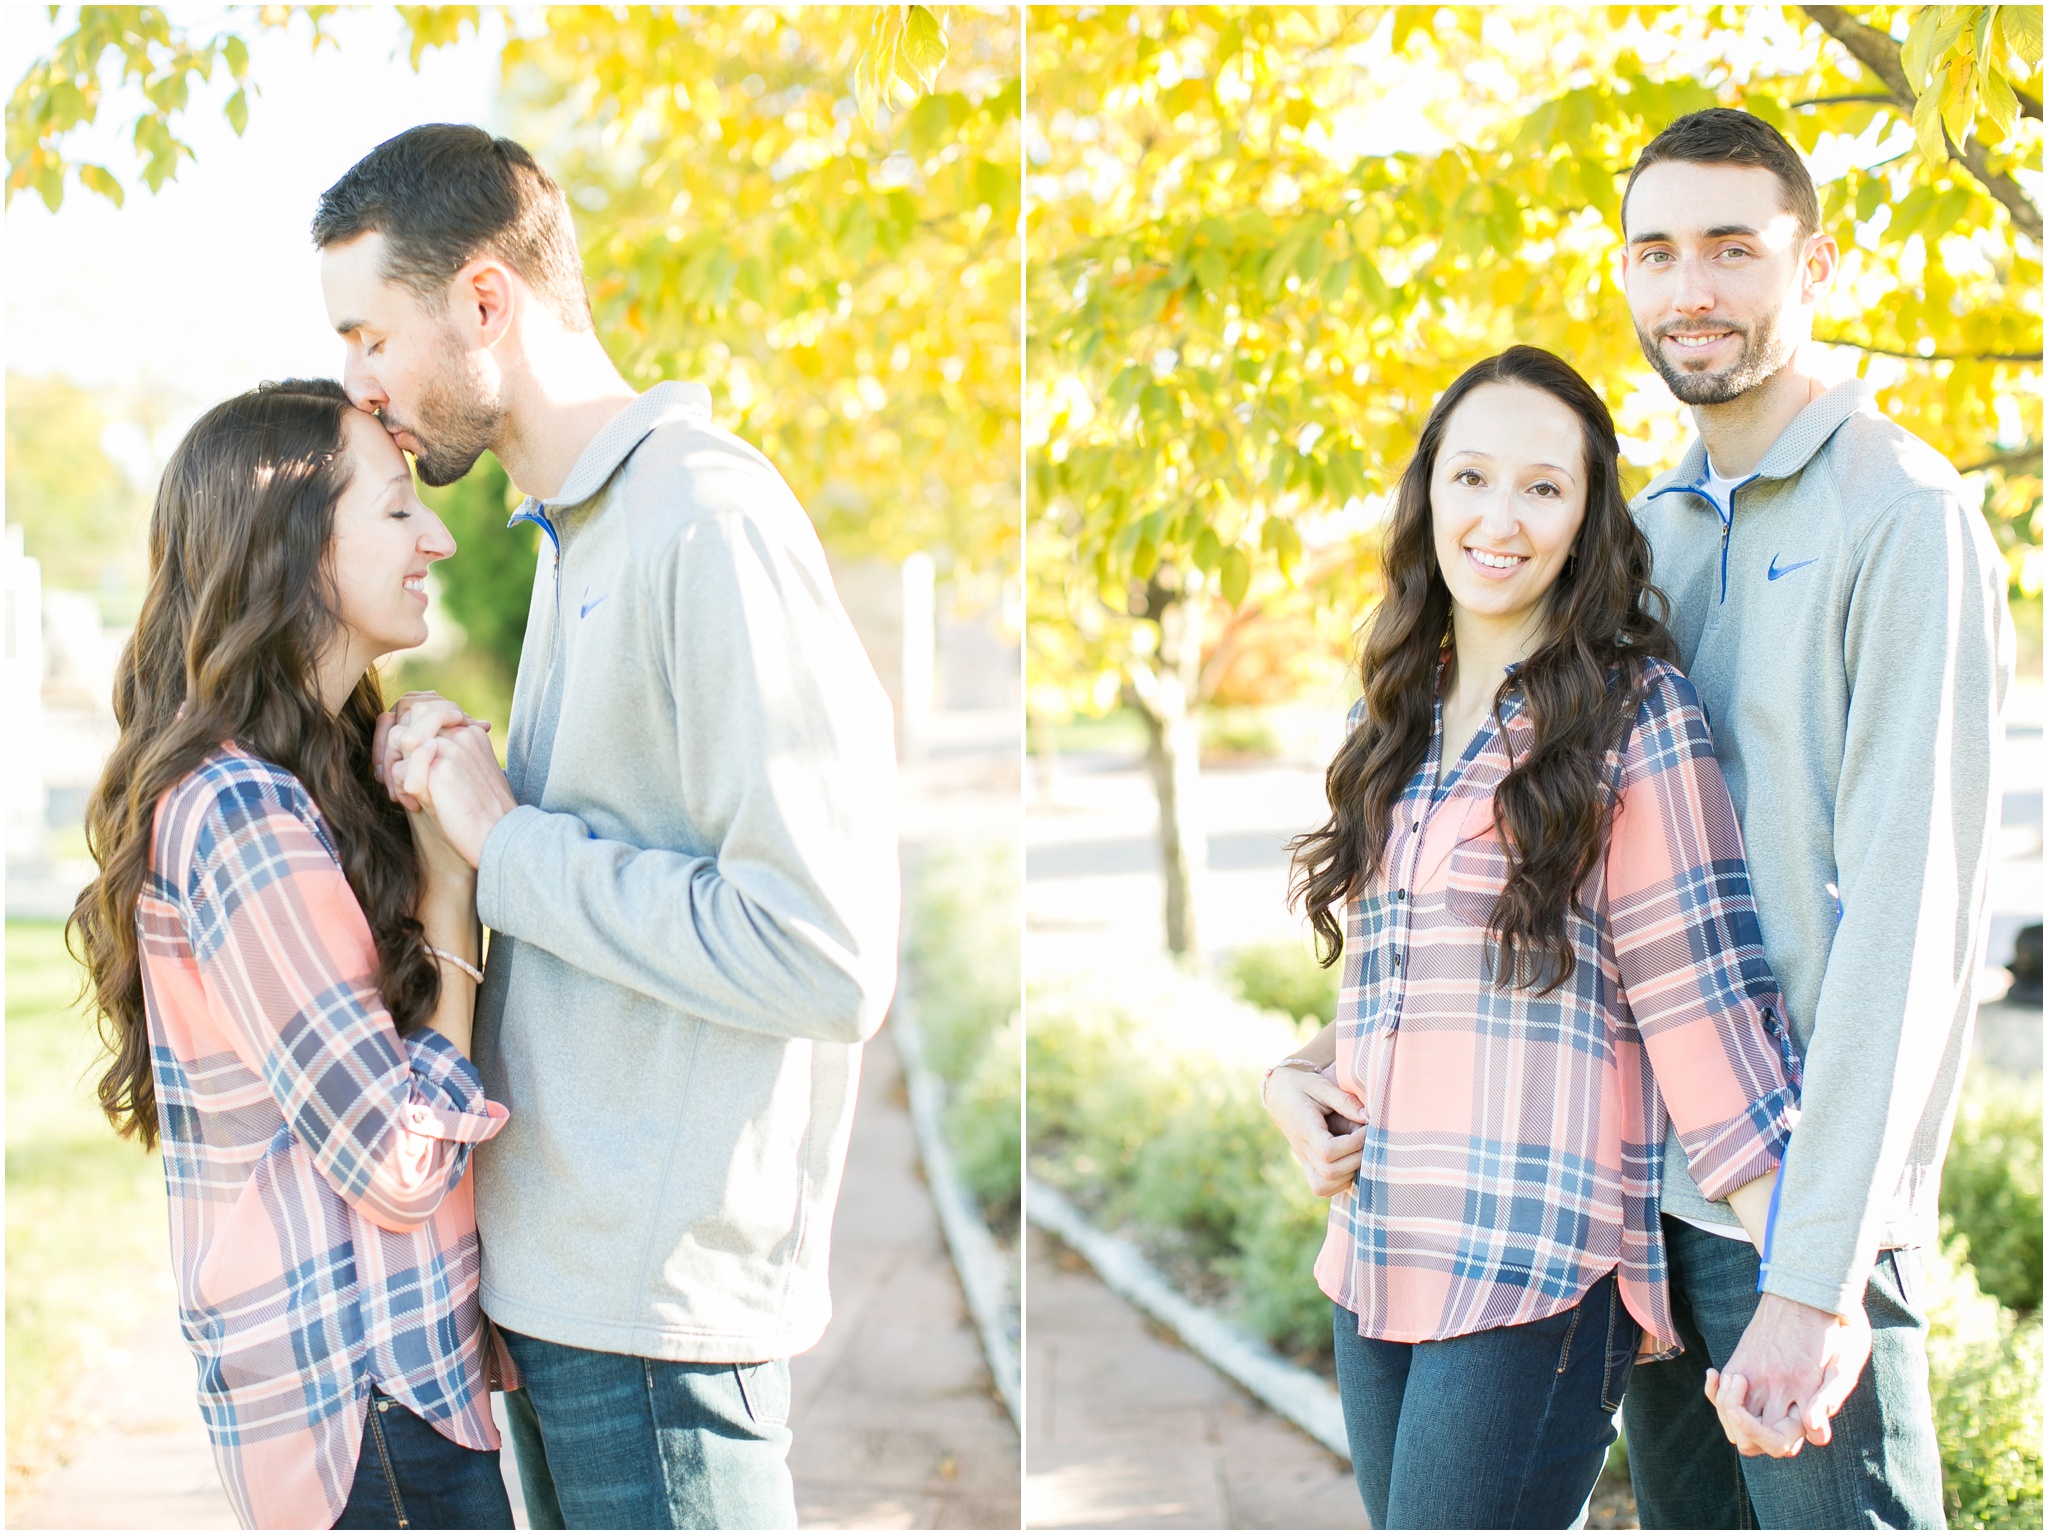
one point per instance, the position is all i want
(1400, 895)
(1416, 827)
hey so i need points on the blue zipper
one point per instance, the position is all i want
(1726, 514)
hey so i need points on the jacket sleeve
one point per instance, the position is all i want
(784, 922)
(1927, 650)
(289, 969)
(1690, 953)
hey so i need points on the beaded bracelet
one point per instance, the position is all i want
(459, 963)
(1292, 1060)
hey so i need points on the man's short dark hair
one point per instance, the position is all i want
(444, 194)
(1724, 136)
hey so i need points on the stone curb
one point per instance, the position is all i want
(1302, 1397)
(984, 1275)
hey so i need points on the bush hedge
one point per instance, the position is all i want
(1991, 1186)
(1144, 1107)
(962, 963)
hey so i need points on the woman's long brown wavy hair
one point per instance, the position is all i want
(238, 610)
(1582, 684)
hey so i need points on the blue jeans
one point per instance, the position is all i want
(409, 1476)
(1883, 1468)
(614, 1441)
(1505, 1429)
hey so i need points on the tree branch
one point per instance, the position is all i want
(1878, 53)
(1882, 99)
(2025, 457)
(1888, 351)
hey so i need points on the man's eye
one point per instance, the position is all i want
(373, 349)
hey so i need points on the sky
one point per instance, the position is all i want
(211, 285)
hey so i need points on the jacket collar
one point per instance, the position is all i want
(1790, 454)
(599, 461)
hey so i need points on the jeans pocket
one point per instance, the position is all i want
(1624, 1337)
(764, 1387)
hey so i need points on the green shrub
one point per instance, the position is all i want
(961, 952)
(1984, 1368)
(984, 1129)
(1284, 978)
(1274, 1262)
(1991, 1186)
(1203, 1174)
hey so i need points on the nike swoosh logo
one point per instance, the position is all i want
(1774, 572)
(589, 603)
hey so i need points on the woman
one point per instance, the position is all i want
(286, 971)
(1535, 876)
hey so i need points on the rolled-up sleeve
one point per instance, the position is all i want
(1689, 950)
(288, 962)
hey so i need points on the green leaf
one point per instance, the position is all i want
(2021, 27)
(1959, 100)
(1927, 127)
(1208, 550)
(1236, 575)
(924, 44)
(97, 178)
(2000, 104)
(238, 111)
(237, 53)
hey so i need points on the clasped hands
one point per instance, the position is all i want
(1792, 1370)
(436, 761)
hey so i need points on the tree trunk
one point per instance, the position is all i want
(1165, 699)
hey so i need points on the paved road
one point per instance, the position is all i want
(1125, 1430)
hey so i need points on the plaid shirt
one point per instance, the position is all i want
(321, 1219)
(1514, 1149)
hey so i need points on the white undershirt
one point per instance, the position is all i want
(1721, 488)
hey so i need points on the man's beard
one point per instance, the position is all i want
(457, 422)
(1763, 354)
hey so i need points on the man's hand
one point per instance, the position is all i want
(1300, 1102)
(413, 719)
(456, 777)
(1747, 1432)
(1795, 1366)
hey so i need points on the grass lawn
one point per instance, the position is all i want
(88, 1250)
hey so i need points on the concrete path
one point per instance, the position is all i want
(896, 1425)
(1127, 1430)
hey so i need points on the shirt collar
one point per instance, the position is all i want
(599, 461)
(1807, 433)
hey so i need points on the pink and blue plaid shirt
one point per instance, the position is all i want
(1514, 1143)
(322, 1227)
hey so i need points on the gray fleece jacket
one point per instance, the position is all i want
(692, 911)
(1847, 630)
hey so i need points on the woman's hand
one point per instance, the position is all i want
(1301, 1104)
(414, 718)
(443, 871)
(455, 777)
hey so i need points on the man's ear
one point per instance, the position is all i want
(482, 297)
(1823, 260)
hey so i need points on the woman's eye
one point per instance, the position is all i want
(1467, 477)
(1544, 488)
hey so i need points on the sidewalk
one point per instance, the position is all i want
(1129, 1431)
(895, 1423)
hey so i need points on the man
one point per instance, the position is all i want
(690, 875)
(1839, 604)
